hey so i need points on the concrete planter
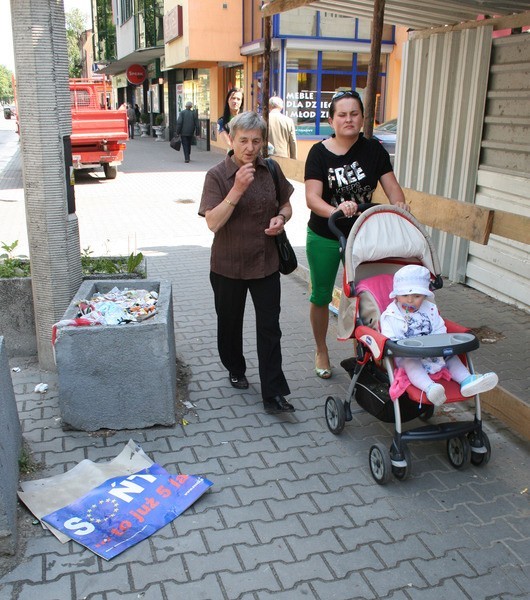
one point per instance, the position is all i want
(10, 445)
(17, 317)
(118, 376)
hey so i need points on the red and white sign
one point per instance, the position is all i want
(136, 74)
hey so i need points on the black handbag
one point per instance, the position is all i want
(288, 260)
(175, 142)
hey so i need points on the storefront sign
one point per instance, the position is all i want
(136, 74)
(303, 106)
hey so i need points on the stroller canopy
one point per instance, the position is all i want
(388, 232)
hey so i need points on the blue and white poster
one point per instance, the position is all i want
(125, 510)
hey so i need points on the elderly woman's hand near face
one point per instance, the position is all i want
(244, 177)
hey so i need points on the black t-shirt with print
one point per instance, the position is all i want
(350, 176)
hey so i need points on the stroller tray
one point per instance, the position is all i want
(440, 344)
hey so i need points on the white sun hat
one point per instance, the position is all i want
(412, 279)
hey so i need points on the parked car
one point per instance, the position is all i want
(10, 111)
(386, 133)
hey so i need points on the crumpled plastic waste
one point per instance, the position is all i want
(112, 308)
(41, 388)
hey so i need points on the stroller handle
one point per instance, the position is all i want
(338, 214)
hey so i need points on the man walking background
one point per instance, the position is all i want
(281, 130)
(187, 125)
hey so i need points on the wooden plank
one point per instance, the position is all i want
(512, 227)
(514, 21)
(292, 169)
(509, 409)
(467, 221)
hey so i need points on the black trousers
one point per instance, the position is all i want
(131, 129)
(230, 297)
(186, 145)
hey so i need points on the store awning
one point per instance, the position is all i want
(141, 57)
(407, 13)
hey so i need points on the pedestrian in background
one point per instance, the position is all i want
(282, 134)
(233, 106)
(241, 207)
(187, 126)
(131, 120)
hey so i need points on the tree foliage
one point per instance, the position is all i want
(75, 26)
(6, 85)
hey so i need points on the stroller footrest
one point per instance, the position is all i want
(442, 431)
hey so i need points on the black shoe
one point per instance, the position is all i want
(277, 404)
(240, 382)
(187, 160)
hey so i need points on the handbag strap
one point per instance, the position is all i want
(271, 165)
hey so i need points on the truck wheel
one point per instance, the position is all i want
(110, 171)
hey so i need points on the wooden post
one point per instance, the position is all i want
(265, 94)
(373, 67)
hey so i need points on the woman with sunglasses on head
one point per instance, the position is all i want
(340, 172)
(233, 106)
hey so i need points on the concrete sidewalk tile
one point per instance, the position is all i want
(263, 553)
(48, 590)
(305, 570)
(492, 585)
(151, 592)
(393, 553)
(352, 538)
(346, 562)
(353, 586)
(325, 541)
(279, 528)
(258, 579)
(437, 570)
(116, 579)
(400, 577)
(208, 588)
(226, 559)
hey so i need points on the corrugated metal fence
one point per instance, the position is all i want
(464, 134)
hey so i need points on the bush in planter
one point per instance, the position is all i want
(144, 119)
(13, 266)
(159, 120)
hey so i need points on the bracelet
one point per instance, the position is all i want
(228, 202)
(284, 217)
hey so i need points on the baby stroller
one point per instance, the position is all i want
(382, 240)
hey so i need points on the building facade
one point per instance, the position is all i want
(197, 51)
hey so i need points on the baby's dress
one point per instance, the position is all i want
(418, 323)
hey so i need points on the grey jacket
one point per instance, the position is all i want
(187, 123)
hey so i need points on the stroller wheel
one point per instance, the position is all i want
(335, 415)
(380, 464)
(481, 456)
(427, 413)
(459, 451)
(403, 473)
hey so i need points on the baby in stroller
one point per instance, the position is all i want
(412, 314)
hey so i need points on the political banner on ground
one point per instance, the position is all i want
(125, 510)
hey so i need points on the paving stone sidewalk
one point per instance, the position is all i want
(294, 512)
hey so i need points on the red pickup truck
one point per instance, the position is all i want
(98, 133)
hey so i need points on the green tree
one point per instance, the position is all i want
(6, 85)
(75, 26)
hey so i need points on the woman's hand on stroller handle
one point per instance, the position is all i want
(339, 214)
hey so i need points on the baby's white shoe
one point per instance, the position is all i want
(476, 384)
(436, 394)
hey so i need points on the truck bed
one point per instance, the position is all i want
(95, 126)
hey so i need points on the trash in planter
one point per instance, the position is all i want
(113, 308)
(16, 369)
(120, 306)
(108, 507)
(41, 388)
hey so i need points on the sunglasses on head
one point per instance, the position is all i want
(351, 93)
